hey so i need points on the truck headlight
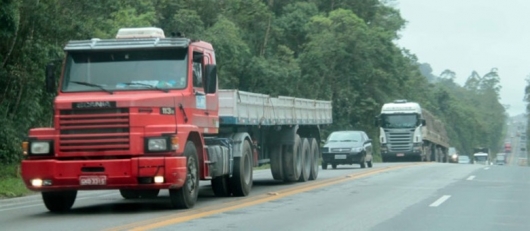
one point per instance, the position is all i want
(157, 144)
(40, 147)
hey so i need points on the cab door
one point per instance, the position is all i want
(206, 105)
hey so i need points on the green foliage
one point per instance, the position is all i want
(11, 185)
(339, 50)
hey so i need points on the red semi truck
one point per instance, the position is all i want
(143, 112)
(507, 147)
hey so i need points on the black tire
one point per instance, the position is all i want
(363, 165)
(292, 161)
(241, 181)
(324, 165)
(315, 157)
(149, 193)
(369, 163)
(221, 186)
(334, 166)
(129, 194)
(135, 194)
(59, 201)
(186, 196)
(306, 162)
(276, 161)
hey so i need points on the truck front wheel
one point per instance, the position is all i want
(59, 201)
(186, 196)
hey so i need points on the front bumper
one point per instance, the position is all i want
(342, 158)
(401, 154)
(133, 173)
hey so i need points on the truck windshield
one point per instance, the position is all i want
(345, 137)
(125, 70)
(481, 158)
(399, 121)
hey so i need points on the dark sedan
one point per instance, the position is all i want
(347, 147)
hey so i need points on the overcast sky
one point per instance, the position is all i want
(467, 35)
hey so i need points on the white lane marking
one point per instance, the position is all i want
(486, 168)
(440, 201)
(471, 178)
(42, 204)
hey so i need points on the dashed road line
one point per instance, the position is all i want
(440, 201)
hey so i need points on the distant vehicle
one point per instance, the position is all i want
(500, 159)
(480, 158)
(347, 147)
(452, 155)
(507, 147)
(407, 131)
(464, 160)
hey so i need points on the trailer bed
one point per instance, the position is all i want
(246, 108)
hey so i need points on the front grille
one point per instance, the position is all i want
(94, 130)
(400, 141)
(340, 149)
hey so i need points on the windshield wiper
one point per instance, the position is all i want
(93, 85)
(147, 85)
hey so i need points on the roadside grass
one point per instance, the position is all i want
(11, 184)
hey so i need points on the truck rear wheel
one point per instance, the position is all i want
(59, 201)
(241, 181)
(276, 161)
(186, 196)
(292, 161)
(315, 154)
(221, 186)
(306, 162)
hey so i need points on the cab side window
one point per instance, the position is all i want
(197, 70)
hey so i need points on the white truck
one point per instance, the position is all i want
(406, 131)
(481, 158)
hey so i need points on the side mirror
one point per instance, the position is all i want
(423, 123)
(368, 141)
(323, 142)
(50, 78)
(210, 86)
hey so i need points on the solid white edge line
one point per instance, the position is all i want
(471, 178)
(40, 203)
(440, 201)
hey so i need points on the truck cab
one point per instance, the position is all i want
(127, 113)
(400, 132)
(481, 158)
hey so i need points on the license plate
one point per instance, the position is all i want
(93, 180)
(340, 157)
(400, 154)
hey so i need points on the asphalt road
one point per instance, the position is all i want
(397, 196)
(98, 210)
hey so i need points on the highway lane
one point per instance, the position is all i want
(429, 196)
(97, 210)
(496, 198)
(368, 203)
